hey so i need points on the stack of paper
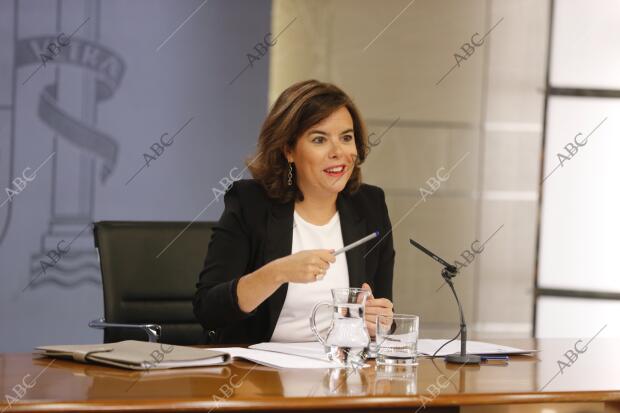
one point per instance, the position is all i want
(426, 347)
(279, 359)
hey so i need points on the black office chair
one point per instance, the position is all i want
(149, 272)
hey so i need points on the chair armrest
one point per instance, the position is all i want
(153, 331)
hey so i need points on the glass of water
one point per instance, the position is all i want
(397, 339)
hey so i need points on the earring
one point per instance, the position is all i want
(290, 174)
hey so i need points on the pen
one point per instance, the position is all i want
(484, 358)
(356, 243)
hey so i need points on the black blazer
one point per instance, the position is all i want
(254, 230)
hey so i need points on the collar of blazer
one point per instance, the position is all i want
(279, 242)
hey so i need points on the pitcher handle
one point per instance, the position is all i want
(315, 330)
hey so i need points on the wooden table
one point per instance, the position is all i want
(34, 384)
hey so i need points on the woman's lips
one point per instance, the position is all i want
(334, 171)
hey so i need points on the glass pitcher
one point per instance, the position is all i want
(347, 338)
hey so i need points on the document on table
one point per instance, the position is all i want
(310, 349)
(426, 347)
(277, 359)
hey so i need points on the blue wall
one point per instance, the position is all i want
(125, 80)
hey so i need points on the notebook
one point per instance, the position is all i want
(140, 355)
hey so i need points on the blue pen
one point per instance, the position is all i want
(494, 358)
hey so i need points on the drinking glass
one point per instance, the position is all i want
(397, 339)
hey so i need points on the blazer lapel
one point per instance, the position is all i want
(353, 228)
(279, 242)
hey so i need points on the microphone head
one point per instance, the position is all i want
(376, 233)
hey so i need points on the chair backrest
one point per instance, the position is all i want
(149, 272)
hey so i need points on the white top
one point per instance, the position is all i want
(293, 324)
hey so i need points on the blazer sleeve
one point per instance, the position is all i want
(385, 270)
(215, 300)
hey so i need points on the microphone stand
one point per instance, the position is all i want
(463, 357)
(447, 273)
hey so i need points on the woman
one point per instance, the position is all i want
(270, 258)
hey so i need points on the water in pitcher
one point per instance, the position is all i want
(347, 340)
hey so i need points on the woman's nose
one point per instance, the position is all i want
(336, 150)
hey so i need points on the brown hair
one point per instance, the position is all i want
(298, 108)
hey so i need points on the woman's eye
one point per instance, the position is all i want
(318, 139)
(347, 138)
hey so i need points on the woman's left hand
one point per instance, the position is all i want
(374, 307)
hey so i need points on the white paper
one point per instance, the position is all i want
(309, 349)
(426, 347)
(277, 359)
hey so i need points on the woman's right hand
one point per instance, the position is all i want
(304, 266)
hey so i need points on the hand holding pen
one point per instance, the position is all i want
(311, 265)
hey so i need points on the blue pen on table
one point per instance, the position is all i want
(356, 243)
(494, 358)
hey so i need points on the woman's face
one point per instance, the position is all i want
(325, 155)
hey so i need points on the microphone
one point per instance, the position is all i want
(448, 272)
(451, 268)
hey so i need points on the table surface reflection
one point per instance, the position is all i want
(558, 373)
